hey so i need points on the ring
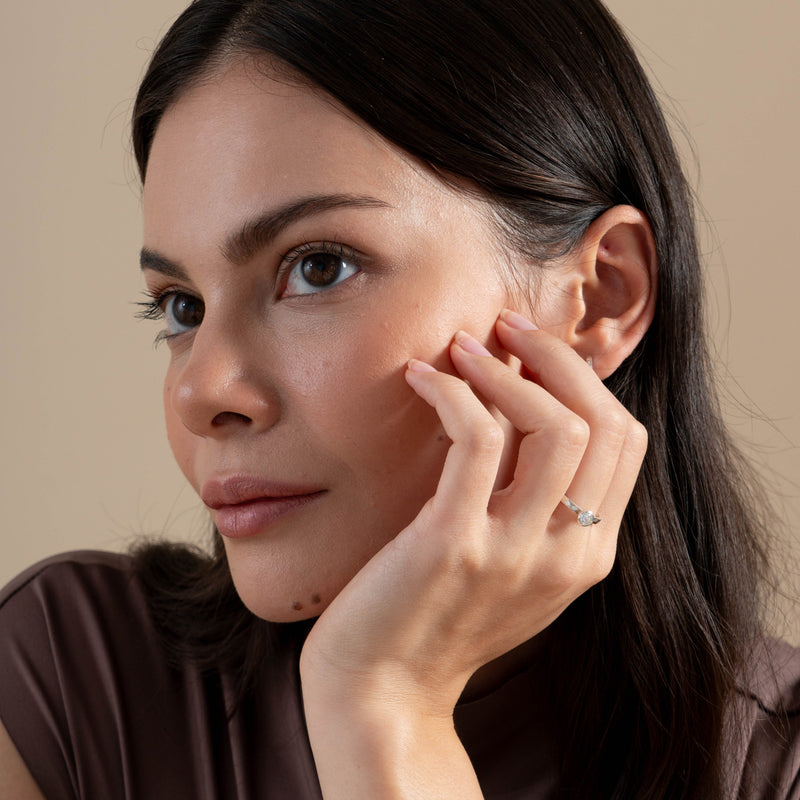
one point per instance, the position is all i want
(586, 518)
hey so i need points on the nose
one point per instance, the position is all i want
(221, 385)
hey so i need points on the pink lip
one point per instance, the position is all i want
(246, 505)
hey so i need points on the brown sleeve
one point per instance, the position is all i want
(98, 712)
(84, 693)
(31, 705)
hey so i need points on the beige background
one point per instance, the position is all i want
(84, 459)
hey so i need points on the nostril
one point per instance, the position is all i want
(230, 418)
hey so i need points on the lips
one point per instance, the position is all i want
(245, 505)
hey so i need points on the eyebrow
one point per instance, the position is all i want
(259, 232)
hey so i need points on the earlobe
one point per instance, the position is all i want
(613, 279)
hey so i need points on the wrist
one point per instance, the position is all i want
(329, 675)
(379, 745)
(375, 692)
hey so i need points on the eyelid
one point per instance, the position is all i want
(290, 257)
(157, 293)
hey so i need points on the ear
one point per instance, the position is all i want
(607, 289)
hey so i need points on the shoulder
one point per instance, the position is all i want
(96, 708)
(68, 570)
(74, 639)
(770, 721)
(67, 616)
(87, 695)
(67, 598)
(72, 619)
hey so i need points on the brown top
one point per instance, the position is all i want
(96, 712)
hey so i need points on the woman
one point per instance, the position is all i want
(432, 298)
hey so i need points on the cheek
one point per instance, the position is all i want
(360, 396)
(371, 420)
(180, 441)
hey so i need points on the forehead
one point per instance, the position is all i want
(244, 110)
(247, 138)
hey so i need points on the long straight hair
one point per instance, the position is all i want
(541, 107)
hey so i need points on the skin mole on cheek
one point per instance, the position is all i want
(297, 606)
(316, 599)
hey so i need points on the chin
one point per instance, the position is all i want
(273, 598)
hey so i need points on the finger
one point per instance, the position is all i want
(601, 548)
(553, 364)
(624, 479)
(555, 442)
(552, 441)
(473, 458)
(572, 381)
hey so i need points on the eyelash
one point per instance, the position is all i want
(326, 246)
(152, 307)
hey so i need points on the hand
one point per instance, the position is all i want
(480, 571)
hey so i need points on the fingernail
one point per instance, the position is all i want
(420, 366)
(471, 345)
(514, 320)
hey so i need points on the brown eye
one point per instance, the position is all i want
(321, 269)
(183, 312)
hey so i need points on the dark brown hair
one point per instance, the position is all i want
(541, 106)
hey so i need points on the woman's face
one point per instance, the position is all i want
(302, 261)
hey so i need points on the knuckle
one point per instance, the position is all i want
(504, 382)
(575, 576)
(604, 560)
(637, 437)
(573, 431)
(485, 438)
(564, 440)
(573, 573)
(466, 560)
(614, 420)
(611, 420)
(565, 575)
